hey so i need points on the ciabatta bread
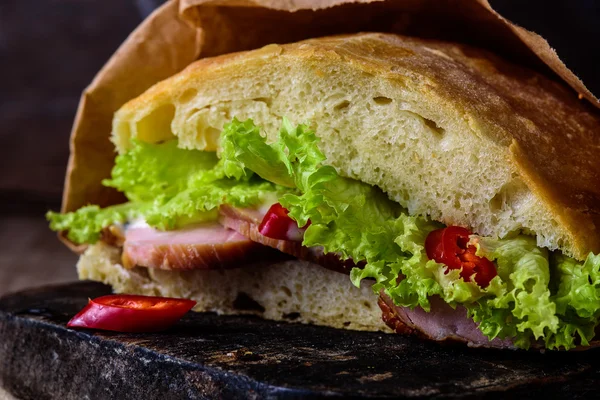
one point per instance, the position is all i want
(295, 291)
(444, 129)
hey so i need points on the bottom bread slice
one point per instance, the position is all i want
(294, 290)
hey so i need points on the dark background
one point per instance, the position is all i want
(51, 49)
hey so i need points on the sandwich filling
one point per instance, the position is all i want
(532, 296)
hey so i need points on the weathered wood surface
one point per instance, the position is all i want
(49, 51)
(206, 356)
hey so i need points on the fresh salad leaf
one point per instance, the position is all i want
(522, 309)
(86, 224)
(536, 296)
(205, 192)
(149, 170)
(167, 186)
(242, 143)
(290, 161)
(357, 220)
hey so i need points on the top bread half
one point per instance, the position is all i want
(446, 130)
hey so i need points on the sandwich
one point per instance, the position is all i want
(368, 181)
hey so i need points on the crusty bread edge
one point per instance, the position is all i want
(305, 303)
(293, 291)
(577, 227)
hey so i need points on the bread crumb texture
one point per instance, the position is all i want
(294, 291)
(445, 130)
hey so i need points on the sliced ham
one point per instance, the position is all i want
(203, 246)
(441, 323)
(246, 222)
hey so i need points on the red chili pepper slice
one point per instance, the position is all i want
(131, 313)
(277, 224)
(449, 246)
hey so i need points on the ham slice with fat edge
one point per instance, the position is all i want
(441, 323)
(202, 246)
(235, 241)
(246, 222)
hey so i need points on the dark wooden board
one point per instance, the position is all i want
(209, 356)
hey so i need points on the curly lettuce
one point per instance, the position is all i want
(86, 224)
(534, 298)
(166, 186)
(537, 297)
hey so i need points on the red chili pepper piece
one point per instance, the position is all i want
(131, 313)
(449, 246)
(277, 224)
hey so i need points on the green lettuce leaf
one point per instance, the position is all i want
(577, 300)
(149, 170)
(536, 297)
(86, 224)
(553, 299)
(585, 300)
(348, 217)
(523, 309)
(167, 186)
(205, 192)
(290, 161)
(357, 220)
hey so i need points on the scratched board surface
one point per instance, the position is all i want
(207, 356)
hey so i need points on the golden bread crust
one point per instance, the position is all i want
(548, 136)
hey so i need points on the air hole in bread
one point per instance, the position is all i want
(457, 202)
(434, 126)
(188, 95)
(211, 135)
(205, 136)
(244, 302)
(497, 202)
(382, 100)
(267, 100)
(156, 126)
(287, 291)
(344, 105)
(192, 112)
(291, 316)
(508, 194)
